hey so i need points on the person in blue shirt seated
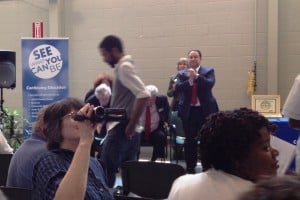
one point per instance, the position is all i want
(67, 171)
(22, 163)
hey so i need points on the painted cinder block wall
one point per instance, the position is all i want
(231, 35)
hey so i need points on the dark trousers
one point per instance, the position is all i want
(191, 128)
(117, 149)
(158, 141)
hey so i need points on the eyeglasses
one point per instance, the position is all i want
(70, 115)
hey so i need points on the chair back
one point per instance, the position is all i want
(175, 120)
(14, 193)
(5, 161)
(149, 179)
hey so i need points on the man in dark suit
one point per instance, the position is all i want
(197, 102)
(154, 119)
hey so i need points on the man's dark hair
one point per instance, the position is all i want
(198, 51)
(53, 119)
(110, 42)
(227, 136)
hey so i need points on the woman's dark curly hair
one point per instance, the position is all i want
(226, 138)
(53, 119)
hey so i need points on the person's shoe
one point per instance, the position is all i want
(118, 190)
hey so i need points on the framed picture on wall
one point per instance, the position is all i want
(267, 105)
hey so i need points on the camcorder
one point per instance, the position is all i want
(101, 114)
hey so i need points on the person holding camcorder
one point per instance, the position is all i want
(67, 171)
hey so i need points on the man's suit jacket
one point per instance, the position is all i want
(206, 81)
(163, 109)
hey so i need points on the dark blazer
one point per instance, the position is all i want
(91, 98)
(206, 81)
(163, 109)
(172, 93)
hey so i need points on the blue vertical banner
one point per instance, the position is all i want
(45, 68)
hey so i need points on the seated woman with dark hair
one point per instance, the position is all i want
(235, 153)
(67, 171)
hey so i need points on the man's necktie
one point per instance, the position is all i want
(147, 123)
(194, 93)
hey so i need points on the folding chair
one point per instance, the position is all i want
(5, 161)
(149, 179)
(14, 193)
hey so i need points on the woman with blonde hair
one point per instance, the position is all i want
(182, 64)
